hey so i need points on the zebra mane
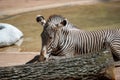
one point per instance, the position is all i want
(58, 18)
(55, 19)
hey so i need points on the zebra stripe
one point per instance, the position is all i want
(64, 39)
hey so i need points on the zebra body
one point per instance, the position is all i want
(61, 38)
(77, 42)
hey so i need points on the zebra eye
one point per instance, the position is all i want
(56, 25)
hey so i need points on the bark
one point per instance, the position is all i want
(97, 66)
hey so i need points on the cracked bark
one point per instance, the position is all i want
(98, 66)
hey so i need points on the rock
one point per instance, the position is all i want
(9, 35)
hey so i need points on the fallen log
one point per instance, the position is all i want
(97, 66)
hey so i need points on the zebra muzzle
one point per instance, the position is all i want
(42, 57)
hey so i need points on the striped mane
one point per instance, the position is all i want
(56, 16)
(56, 19)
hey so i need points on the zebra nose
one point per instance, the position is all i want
(41, 59)
(44, 59)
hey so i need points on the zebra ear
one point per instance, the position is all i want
(64, 22)
(40, 19)
(61, 24)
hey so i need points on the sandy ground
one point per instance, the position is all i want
(15, 58)
(117, 73)
(10, 7)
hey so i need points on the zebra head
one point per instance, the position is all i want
(53, 22)
(51, 28)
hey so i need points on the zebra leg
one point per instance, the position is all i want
(115, 49)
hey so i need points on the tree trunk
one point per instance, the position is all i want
(97, 66)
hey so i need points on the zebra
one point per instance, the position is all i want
(61, 39)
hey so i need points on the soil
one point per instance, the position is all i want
(15, 58)
(11, 7)
(117, 73)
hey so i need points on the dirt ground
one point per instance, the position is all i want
(13, 4)
(10, 7)
(15, 58)
(117, 73)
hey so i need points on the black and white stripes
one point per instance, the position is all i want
(62, 38)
